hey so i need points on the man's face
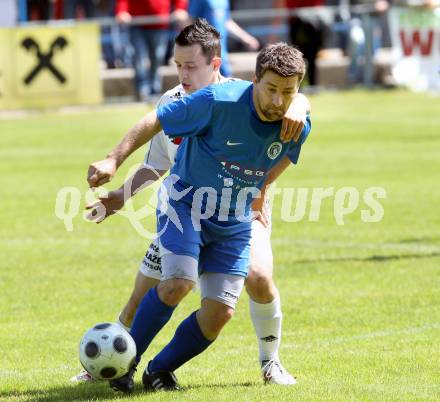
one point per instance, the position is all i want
(193, 69)
(273, 94)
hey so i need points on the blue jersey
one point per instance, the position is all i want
(216, 12)
(225, 143)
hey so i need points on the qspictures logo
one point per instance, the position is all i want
(292, 204)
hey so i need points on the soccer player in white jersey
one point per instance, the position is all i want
(197, 57)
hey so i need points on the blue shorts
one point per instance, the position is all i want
(219, 249)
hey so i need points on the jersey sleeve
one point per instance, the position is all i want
(189, 116)
(157, 155)
(295, 150)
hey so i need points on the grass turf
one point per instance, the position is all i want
(361, 301)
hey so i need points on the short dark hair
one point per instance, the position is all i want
(200, 32)
(282, 59)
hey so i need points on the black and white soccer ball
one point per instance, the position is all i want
(107, 351)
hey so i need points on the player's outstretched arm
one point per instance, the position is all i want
(104, 207)
(144, 130)
(295, 118)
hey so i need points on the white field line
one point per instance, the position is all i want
(353, 245)
(340, 340)
(362, 337)
(69, 110)
(302, 243)
(50, 240)
(16, 373)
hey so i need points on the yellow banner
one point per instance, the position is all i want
(49, 66)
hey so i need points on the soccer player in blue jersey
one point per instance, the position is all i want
(231, 141)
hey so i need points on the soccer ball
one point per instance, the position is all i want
(107, 351)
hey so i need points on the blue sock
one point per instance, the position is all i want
(188, 342)
(152, 314)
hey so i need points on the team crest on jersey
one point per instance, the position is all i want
(274, 149)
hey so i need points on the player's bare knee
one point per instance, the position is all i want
(224, 315)
(259, 278)
(260, 285)
(172, 291)
(262, 268)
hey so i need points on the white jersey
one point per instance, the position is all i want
(162, 151)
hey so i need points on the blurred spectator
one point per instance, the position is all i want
(40, 10)
(359, 36)
(106, 8)
(149, 41)
(174, 28)
(217, 13)
(307, 33)
(268, 29)
(86, 7)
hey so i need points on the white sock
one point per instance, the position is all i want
(119, 322)
(267, 323)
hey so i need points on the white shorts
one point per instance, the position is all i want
(151, 265)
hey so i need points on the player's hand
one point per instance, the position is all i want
(293, 123)
(101, 172)
(104, 207)
(261, 209)
(123, 17)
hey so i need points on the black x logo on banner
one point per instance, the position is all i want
(44, 59)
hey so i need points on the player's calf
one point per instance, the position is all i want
(142, 285)
(127, 314)
(212, 317)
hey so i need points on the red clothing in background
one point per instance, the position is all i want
(304, 3)
(150, 7)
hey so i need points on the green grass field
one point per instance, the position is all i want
(361, 301)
